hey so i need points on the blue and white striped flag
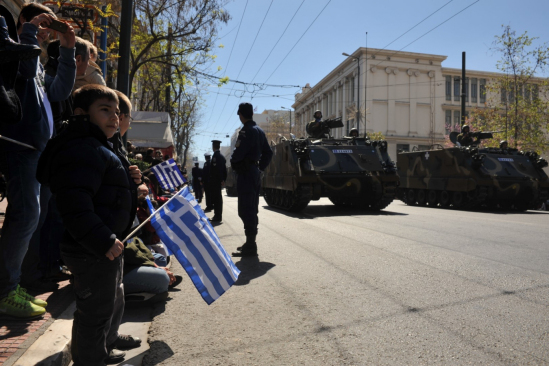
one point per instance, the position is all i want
(168, 174)
(151, 209)
(185, 230)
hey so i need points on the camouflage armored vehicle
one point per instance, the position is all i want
(349, 171)
(472, 177)
(230, 183)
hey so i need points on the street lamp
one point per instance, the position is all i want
(358, 92)
(290, 110)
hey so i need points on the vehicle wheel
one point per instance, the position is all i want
(458, 199)
(432, 198)
(421, 199)
(444, 199)
(411, 197)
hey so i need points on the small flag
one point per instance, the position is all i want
(185, 230)
(168, 175)
(151, 208)
(149, 203)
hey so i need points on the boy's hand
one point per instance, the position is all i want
(67, 39)
(116, 249)
(135, 173)
(170, 275)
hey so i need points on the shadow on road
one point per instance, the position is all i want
(333, 211)
(251, 268)
(159, 351)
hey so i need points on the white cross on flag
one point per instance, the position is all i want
(168, 175)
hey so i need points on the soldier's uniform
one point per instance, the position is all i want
(251, 156)
(465, 140)
(197, 182)
(218, 174)
(205, 182)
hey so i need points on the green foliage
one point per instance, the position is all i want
(517, 103)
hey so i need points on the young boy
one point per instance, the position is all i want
(96, 197)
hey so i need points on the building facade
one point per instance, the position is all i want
(408, 97)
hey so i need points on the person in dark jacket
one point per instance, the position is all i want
(218, 176)
(96, 197)
(206, 182)
(197, 182)
(41, 269)
(35, 90)
(251, 156)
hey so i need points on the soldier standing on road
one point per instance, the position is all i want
(251, 156)
(218, 175)
(206, 181)
(197, 182)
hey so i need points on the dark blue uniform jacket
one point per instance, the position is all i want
(252, 145)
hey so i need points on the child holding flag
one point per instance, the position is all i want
(96, 197)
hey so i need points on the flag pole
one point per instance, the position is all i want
(17, 142)
(150, 217)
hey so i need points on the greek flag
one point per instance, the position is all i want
(185, 230)
(168, 175)
(151, 208)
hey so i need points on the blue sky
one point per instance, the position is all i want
(312, 34)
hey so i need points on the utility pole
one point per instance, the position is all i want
(463, 88)
(366, 86)
(123, 79)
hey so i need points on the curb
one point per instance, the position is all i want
(53, 347)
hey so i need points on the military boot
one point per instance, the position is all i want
(249, 249)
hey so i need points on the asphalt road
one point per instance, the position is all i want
(405, 286)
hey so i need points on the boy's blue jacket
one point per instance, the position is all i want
(95, 194)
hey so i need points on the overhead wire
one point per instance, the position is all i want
(279, 38)
(309, 27)
(232, 49)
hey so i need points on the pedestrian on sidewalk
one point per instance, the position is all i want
(96, 197)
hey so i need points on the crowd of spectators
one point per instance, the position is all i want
(72, 193)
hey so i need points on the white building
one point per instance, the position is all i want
(409, 97)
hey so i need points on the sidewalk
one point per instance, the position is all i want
(45, 341)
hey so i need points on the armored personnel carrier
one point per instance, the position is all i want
(350, 171)
(470, 177)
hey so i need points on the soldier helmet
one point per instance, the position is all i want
(317, 111)
(503, 144)
(464, 127)
(353, 132)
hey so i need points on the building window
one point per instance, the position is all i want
(457, 80)
(448, 88)
(448, 122)
(474, 90)
(457, 121)
(483, 90)
(403, 147)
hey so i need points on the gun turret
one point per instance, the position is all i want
(322, 129)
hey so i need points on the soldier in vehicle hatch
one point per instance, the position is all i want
(315, 128)
(353, 132)
(465, 138)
